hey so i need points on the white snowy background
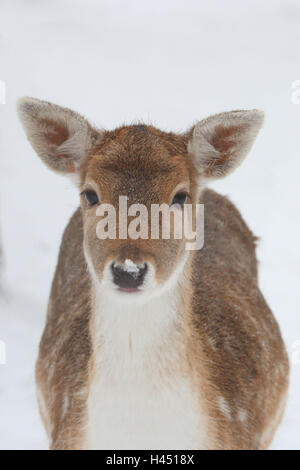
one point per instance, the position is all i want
(171, 63)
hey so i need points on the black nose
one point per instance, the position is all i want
(128, 277)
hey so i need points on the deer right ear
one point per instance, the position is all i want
(220, 143)
(61, 137)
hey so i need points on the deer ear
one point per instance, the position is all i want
(61, 137)
(220, 143)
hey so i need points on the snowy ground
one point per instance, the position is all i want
(170, 63)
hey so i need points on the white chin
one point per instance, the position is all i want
(141, 294)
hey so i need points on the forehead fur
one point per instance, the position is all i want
(138, 146)
(138, 159)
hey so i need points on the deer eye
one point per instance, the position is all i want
(91, 197)
(179, 199)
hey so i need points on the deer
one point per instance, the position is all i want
(148, 345)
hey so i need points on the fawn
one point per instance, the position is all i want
(148, 345)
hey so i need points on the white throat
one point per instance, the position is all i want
(140, 394)
(132, 328)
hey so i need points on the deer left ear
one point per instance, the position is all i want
(61, 137)
(220, 143)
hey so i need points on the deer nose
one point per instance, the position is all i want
(128, 276)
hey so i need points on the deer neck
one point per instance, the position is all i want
(133, 334)
(142, 387)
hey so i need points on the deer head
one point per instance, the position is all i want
(146, 167)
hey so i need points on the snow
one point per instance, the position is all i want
(131, 267)
(169, 63)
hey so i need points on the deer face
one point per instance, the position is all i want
(148, 169)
